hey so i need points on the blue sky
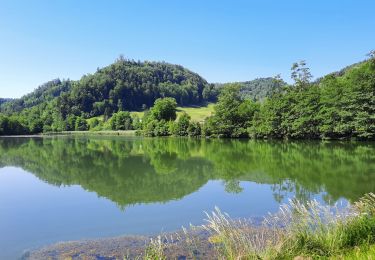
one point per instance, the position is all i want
(223, 41)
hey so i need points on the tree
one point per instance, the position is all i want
(182, 125)
(301, 74)
(121, 121)
(233, 115)
(164, 109)
(71, 122)
(93, 123)
(194, 129)
(81, 124)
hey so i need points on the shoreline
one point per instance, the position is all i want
(132, 133)
(73, 133)
(124, 247)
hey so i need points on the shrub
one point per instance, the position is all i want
(194, 129)
(81, 124)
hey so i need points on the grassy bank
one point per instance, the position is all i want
(297, 231)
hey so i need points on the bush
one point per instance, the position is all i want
(182, 125)
(81, 124)
(194, 129)
(94, 123)
(121, 121)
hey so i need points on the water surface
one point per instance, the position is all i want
(65, 188)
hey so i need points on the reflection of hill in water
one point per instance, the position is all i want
(129, 171)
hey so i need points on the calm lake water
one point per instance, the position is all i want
(64, 188)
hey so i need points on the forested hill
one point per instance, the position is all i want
(44, 93)
(340, 105)
(4, 100)
(123, 85)
(257, 89)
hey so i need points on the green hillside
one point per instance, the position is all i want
(336, 107)
(123, 85)
(4, 100)
(150, 96)
(257, 89)
(44, 93)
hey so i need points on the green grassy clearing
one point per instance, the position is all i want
(196, 113)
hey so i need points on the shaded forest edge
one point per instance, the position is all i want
(337, 106)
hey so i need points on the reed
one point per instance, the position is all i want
(297, 231)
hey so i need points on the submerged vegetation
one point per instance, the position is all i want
(298, 231)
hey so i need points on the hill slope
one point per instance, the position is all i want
(4, 100)
(257, 89)
(45, 92)
(123, 85)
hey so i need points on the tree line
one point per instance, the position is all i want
(339, 105)
(125, 85)
(335, 107)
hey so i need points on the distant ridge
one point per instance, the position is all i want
(258, 88)
(4, 100)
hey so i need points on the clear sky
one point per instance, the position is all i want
(223, 41)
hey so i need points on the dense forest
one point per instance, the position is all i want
(123, 85)
(257, 89)
(339, 105)
(4, 100)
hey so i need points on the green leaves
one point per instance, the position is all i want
(121, 121)
(164, 108)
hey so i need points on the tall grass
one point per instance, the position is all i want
(155, 250)
(297, 231)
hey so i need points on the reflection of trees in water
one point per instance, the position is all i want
(130, 171)
(283, 189)
(233, 186)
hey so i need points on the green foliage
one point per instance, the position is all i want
(121, 121)
(123, 85)
(4, 100)
(94, 123)
(81, 124)
(233, 115)
(257, 89)
(12, 126)
(164, 109)
(159, 120)
(194, 129)
(137, 122)
(299, 230)
(339, 105)
(182, 125)
(44, 93)
(336, 107)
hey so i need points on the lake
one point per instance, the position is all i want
(68, 188)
